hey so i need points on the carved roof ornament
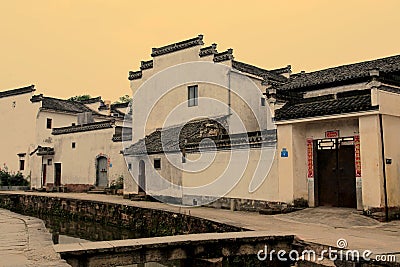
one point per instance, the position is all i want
(177, 46)
(224, 56)
(134, 75)
(37, 98)
(144, 65)
(209, 50)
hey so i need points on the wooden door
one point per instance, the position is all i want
(102, 172)
(57, 174)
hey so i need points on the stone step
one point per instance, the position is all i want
(97, 191)
(139, 197)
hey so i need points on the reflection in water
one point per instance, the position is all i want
(65, 230)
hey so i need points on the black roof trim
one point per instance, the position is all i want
(134, 75)
(209, 50)
(120, 105)
(144, 65)
(18, 91)
(287, 69)
(90, 100)
(224, 56)
(177, 46)
(83, 128)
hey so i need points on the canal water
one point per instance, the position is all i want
(64, 230)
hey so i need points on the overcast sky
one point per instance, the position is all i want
(76, 47)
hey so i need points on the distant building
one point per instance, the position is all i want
(61, 143)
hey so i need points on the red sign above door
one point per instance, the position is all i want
(332, 134)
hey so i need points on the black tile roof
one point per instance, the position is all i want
(56, 104)
(18, 91)
(346, 102)
(90, 100)
(64, 105)
(193, 133)
(341, 73)
(244, 67)
(152, 143)
(120, 105)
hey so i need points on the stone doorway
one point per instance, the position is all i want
(102, 172)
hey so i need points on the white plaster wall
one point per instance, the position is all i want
(389, 103)
(79, 165)
(392, 151)
(371, 161)
(159, 182)
(17, 130)
(236, 169)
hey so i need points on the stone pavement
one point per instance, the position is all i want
(24, 241)
(320, 225)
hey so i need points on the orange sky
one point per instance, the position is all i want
(76, 47)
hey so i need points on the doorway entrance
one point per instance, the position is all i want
(102, 172)
(142, 177)
(335, 172)
(57, 174)
(44, 175)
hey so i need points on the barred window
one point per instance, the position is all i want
(192, 95)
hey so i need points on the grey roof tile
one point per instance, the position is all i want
(353, 101)
(341, 73)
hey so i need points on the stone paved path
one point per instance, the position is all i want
(319, 225)
(24, 241)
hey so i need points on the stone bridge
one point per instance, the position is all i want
(206, 249)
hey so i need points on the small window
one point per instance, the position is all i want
(130, 166)
(157, 163)
(73, 124)
(21, 164)
(49, 123)
(49, 161)
(73, 144)
(193, 95)
(263, 101)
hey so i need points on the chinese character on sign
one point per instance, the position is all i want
(357, 155)
(310, 164)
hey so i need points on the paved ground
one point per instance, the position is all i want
(319, 225)
(24, 241)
